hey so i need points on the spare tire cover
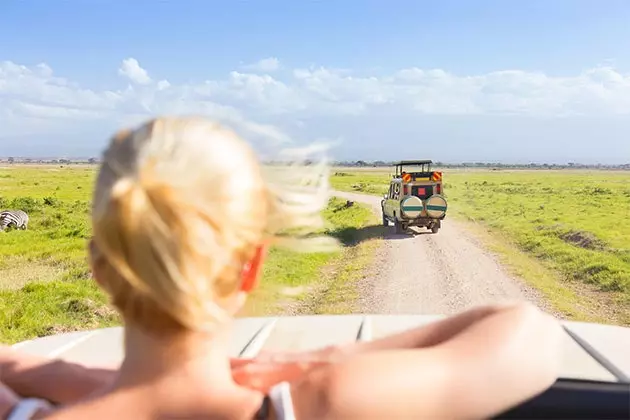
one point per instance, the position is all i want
(411, 206)
(436, 206)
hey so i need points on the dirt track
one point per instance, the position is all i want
(422, 273)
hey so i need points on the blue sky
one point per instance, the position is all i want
(477, 80)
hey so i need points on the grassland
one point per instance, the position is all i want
(45, 282)
(566, 232)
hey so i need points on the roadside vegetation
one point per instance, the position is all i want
(45, 282)
(566, 232)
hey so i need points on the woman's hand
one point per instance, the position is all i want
(270, 368)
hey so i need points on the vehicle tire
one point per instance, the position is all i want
(399, 227)
(385, 221)
(435, 228)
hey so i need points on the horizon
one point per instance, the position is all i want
(381, 163)
(524, 82)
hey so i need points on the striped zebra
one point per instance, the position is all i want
(15, 218)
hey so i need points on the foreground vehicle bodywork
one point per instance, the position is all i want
(594, 382)
(414, 197)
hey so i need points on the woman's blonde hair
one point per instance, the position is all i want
(181, 204)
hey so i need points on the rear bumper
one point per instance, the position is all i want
(421, 219)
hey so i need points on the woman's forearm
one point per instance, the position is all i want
(431, 334)
(55, 380)
(272, 367)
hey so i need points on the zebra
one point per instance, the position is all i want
(16, 218)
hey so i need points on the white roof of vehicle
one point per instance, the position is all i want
(592, 351)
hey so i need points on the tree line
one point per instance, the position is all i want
(490, 165)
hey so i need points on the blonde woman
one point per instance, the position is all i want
(182, 214)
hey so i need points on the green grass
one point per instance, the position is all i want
(368, 182)
(576, 224)
(300, 278)
(45, 284)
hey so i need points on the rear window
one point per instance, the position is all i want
(422, 192)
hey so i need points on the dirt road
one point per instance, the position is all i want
(423, 273)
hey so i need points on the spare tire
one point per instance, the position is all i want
(411, 206)
(436, 206)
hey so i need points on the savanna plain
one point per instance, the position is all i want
(565, 233)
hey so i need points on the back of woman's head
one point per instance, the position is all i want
(180, 205)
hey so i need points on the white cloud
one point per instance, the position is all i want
(34, 100)
(163, 84)
(265, 65)
(130, 68)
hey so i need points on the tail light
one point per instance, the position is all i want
(406, 189)
(438, 189)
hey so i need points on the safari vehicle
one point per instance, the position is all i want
(594, 380)
(414, 197)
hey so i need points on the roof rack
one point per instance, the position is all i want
(425, 166)
(413, 162)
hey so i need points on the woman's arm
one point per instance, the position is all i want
(419, 337)
(428, 335)
(501, 360)
(55, 380)
(270, 368)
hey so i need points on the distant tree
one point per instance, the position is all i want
(11, 159)
(92, 160)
